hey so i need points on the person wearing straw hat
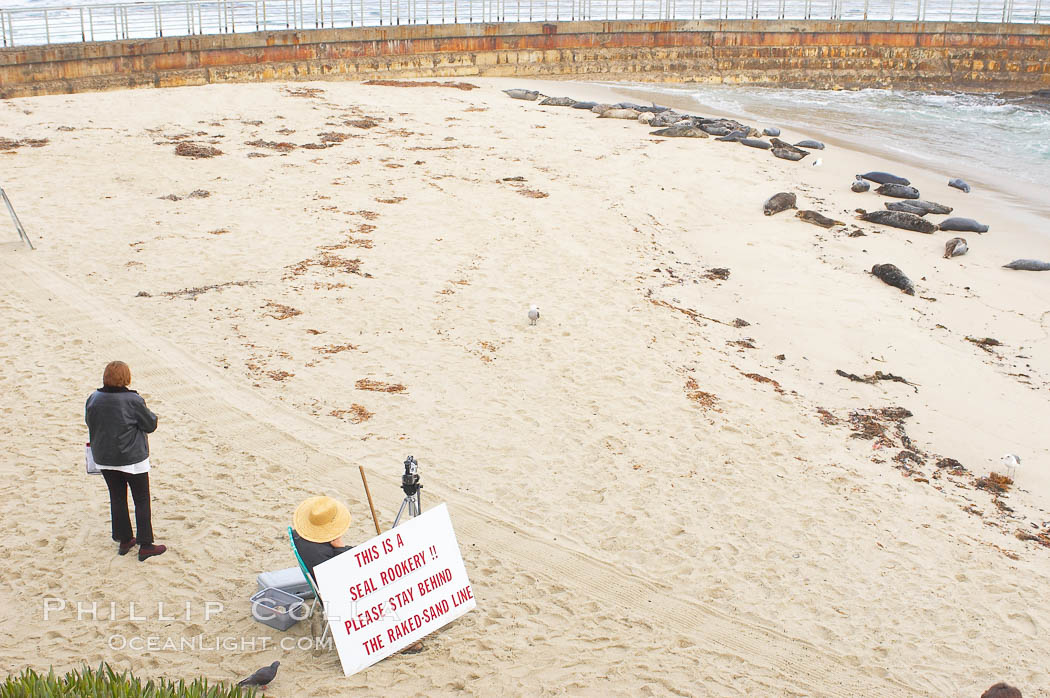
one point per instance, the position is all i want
(318, 526)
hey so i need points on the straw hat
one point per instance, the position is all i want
(321, 519)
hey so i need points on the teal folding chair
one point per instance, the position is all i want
(312, 583)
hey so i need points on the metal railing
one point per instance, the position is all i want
(148, 20)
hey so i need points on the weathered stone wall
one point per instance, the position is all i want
(926, 55)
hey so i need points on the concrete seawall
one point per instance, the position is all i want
(785, 53)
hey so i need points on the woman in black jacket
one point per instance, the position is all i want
(118, 421)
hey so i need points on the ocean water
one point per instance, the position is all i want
(997, 141)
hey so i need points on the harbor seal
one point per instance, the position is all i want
(955, 247)
(884, 178)
(817, 219)
(755, 143)
(794, 155)
(892, 275)
(771, 131)
(966, 225)
(811, 144)
(779, 202)
(1028, 265)
(733, 136)
(959, 184)
(682, 130)
(928, 206)
(667, 118)
(600, 109)
(906, 206)
(900, 191)
(860, 185)
(584, 105)
(898, 219)
(558, 102)
(646, 117)
(715, 129)
(530, 95)
(616, 113)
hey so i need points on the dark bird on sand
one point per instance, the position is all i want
(892, 275)
(262, 677)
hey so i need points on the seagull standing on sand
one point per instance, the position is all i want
(534, 314)
(1011, 462)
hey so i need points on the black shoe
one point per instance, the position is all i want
(147, 551)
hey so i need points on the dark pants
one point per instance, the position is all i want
(118, 484)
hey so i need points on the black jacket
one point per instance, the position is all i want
(118, 421)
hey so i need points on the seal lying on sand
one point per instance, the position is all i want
(959, 184)
(667, 118)
(733, 136)
(794, 155)
(906, 206)
(884, 178)
(615, 113)
(600, 109)
(779, 202)
(755, 143)
(967, 225)
(927, 206)
(892, 275)
(682, 130)
(558, 102)
(860, 185)
(817, 219)
(811, 144)
(530, 95)
(716, 129)
(584, 105)
(955, 247)
(898, 219)
(771, 131)
(900, 191)
(1028, 265)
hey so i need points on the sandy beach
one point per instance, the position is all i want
(662, 488)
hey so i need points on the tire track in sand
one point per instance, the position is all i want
(786, 664)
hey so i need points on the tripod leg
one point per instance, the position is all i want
(405, 501)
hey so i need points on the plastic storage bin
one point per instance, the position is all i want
(290, 579)
(277, 609)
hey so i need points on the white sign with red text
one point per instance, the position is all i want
(394, 589)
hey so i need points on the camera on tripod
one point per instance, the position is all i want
(410, 480)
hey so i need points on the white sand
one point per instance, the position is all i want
(621, 537)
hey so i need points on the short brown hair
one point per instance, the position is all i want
(116, 375)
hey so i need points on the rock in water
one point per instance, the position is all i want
(898, 219)
(558, 102)
(955, 247)
(892, 275)
(959, 184)
(1028, 265)
(779, 202)
(884, 178)
(818, 219)
(900, 191)
(967, 225)
(530, 95)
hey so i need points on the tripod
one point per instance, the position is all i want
(412, 501)
(410, 484)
